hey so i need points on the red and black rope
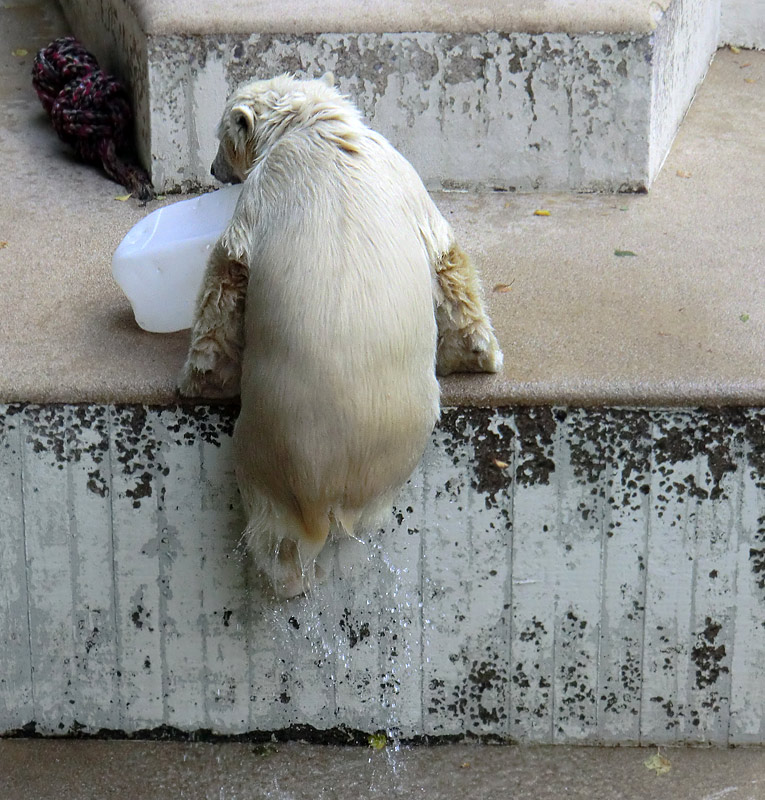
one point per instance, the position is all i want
(89, 109)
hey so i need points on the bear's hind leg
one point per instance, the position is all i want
(285, 544)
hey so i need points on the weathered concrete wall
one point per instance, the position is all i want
(506, 111)
(499, 109)
(684, 44)
(548, 575)
(743, 23)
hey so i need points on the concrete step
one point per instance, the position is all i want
(547, 576)
(606, 585)
(579, 326)
(35, 770)
(513, 96)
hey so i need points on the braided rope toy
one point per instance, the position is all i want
(89, 110)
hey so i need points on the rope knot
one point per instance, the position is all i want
(89, 110)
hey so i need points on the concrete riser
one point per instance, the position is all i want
(548, 575)
(507, 111)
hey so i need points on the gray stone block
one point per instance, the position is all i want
(504, 109)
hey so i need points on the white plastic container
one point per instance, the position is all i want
(160, 262)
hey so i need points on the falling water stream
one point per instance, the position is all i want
(360, 628)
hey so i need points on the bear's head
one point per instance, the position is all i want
(259, 113)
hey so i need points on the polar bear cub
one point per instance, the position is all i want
(329, 303)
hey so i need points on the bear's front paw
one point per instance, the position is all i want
(476, 351)
(215, 384)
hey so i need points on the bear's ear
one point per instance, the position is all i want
(243, 120)
(328, 78)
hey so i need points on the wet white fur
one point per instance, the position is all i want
(338, 387)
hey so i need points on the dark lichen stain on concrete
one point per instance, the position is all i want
(46, 431)
(365, 63)
(90, 635)
(674, 714)
(139, 450)
(253, 58)
(88, 442)
(493, 445)
(622, 681)
(465, 59)
(612, 451)
(536, 428)
(682, 437)
(480, 698)
(532, 631)
(355, 632)
(209, 424)
(528, 83)
(757, 555)
(754, 436)
(577, 670)
(708, 656)
(362, 63)
(71, 434)
(515, 63)
(136, 449)
(142, 489)
(140, 618)
(529, 676)
(615, 439)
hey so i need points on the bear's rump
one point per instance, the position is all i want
(319, 441)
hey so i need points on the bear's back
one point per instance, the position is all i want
(338, 366)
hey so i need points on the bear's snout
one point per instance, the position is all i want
(221, 169)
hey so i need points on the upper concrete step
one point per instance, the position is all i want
(579, 324)
(585, 95)
(395, 16)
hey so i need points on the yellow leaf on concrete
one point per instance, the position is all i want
(378, 741)
(735, 49)
(541, 212)
(681, 173)
(659, 764)
(123, 197)
(20, 52)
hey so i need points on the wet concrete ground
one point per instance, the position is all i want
(33, 769)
